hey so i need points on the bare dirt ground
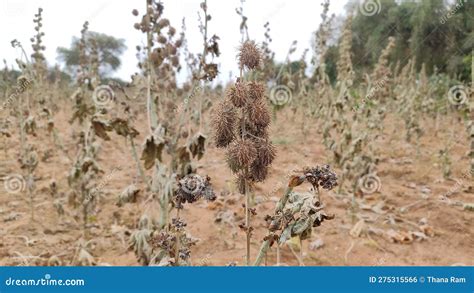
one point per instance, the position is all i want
(406, 223)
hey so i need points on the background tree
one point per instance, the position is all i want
(109, 51)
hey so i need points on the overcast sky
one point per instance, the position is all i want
(62, 19)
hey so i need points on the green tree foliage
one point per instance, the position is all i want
(438, 33)
(109, 49)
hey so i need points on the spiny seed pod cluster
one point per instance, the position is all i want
(163, 46)
(250, 56)
(249, 151)
(37, 45)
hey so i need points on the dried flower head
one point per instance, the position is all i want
(249, 55)
(193, 187)
(321, 176)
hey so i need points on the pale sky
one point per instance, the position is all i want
(62, 19)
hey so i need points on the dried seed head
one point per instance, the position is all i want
(252, 130)
(265, 153)
(241, 153)
(249, 55)
(238, 94)
(258, 172)
(224, 122)
(256, 90)
(258, 113)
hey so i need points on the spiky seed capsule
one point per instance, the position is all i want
(256, 90)
(238, 94)
(249, 55)
(241, 153)
(258, 113)
(224, 121)
(265, 153)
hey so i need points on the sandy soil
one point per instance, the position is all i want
(408, 202)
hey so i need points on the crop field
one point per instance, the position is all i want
(355, 149)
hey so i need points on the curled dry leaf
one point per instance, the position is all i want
(152, 150)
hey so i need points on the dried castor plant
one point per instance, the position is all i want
(241, 121)
(296, 214)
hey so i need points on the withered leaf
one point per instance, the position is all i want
(122, 128)
(286, 234)
(300, 226)
(296, 181)
(152, 150)
(197, 145)
(100, 128)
